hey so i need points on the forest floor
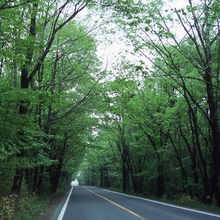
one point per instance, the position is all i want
(48, 212)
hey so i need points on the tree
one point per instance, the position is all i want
(51, 63)
(152, 30)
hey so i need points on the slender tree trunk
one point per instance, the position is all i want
(192, 153)
(17, 182)
(124, 172)
(56, 177)
(35, 179)
(160, 174)
(101, 177)
(40, 180)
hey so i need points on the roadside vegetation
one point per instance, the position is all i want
(27, 207)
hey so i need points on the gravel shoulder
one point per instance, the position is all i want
(55, 201)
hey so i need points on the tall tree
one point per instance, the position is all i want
(47, 62)
(152, 29)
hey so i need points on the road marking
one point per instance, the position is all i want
(60, 217)
(165, 204)
(116, 204)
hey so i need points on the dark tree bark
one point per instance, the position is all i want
(101, 177)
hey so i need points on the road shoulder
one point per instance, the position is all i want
(55, 206)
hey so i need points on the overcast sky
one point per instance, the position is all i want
(112, 46)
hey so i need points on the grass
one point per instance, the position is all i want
(31, 212)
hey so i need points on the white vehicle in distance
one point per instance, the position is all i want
(74, 183)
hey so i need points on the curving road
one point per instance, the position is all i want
(91, 203)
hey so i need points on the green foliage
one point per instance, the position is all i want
(150, 129)
(48, 75)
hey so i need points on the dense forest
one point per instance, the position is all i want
(146, 123)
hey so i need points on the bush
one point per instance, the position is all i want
(21, 208)
(7, 207)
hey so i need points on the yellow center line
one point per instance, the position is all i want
(116, 204)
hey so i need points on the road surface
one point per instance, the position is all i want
(91, 203)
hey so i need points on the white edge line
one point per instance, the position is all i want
(60, 217)
(166, 204)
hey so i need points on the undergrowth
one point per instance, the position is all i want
(24, 207)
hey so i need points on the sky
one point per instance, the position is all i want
(112, 45)
(118, 48)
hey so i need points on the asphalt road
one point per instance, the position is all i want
(90, 203)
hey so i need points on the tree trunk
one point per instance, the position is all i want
(17, 182)
(216, 162)
(40, 180)
(124, 173)
(101, 177)
(160, 181)
(34, 188)
(56, 177)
